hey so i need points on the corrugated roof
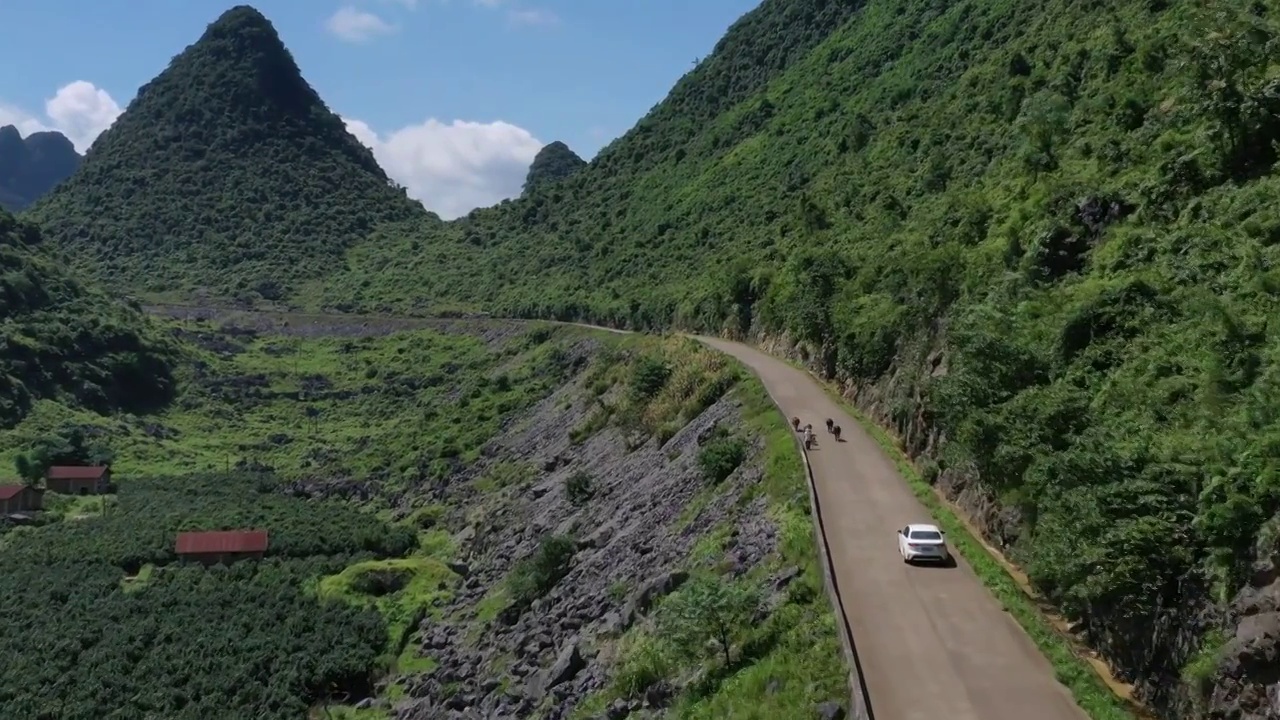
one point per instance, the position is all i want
(75, 472)
(8, 492)
(222, 541)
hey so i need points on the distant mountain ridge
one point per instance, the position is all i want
(32, 166)
(68, 341)
(227, 175)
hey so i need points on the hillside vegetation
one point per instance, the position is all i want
(553, 163)
(1039, 233)
(176, 641)
(32, 166)
(313, 439)
(1041, 230)
(411, 474)
(65, 342)
(226, 175)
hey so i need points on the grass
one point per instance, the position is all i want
(410, 662)
(491, 605)
(505, 474)
(78, 507)
(1071, 668)
(383, 411)
(136, 583)
(400, 588)
(397, 407)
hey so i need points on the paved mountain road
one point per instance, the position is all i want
(933, 643)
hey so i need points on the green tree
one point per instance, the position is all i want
(1230, 76)
(708, 609)
(29, 471)
(1045, 119)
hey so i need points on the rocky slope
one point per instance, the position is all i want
(646, 524)
(32, 166)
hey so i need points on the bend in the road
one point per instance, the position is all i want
(934, 642)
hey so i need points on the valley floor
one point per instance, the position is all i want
(518, 519)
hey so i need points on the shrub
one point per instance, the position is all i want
(427, 517)
(649, 376)
(645, 664)
(929, 470)
(578, 488)
(535, 575)
(721, 457)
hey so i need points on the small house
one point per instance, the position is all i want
(77, 479)
(17, 499)
(222, 546)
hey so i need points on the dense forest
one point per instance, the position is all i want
(109, 619)
(64, 340)
(227, 174)
(553, 163)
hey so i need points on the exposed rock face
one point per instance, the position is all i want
(1247, 683)
(631, 541)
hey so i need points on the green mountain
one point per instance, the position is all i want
(65, 342)
(226, 173)
(1039, 239)
(553, 163)
(32, 166)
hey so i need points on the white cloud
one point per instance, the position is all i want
(357, 26)
(79, 110)
(454, 167)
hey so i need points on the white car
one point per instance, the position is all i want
(923, 542)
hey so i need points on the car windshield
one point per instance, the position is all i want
(925, 535)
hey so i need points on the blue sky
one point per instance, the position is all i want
(495, 75)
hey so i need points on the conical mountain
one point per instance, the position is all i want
(31, 167)
(553, 163)
(227, 172)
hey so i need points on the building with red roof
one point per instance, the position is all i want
(221, 546)
(77, 479)
(16, 499)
